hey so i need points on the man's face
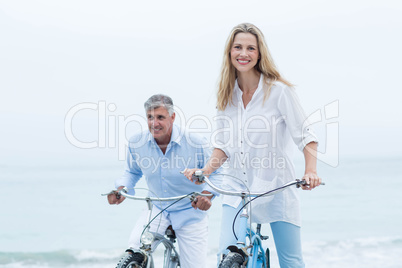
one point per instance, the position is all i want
(160, 124)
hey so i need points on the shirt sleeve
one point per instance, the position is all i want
(215, 178)
(218, 138)
(203, 159)
(295, 118)
(132, 173)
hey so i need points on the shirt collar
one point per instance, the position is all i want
(176, 137)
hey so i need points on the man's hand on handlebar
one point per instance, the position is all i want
(202, 202)
(115, 198)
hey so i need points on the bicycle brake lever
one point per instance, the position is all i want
(116, 193)
(301, 183)
(198, 175)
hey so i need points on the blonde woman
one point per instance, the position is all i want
(259, 121)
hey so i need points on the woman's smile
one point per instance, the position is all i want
(243, 62)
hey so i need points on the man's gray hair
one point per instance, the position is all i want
(159, 100)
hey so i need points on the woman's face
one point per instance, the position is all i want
(244, 53)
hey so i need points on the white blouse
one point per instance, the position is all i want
(258, 142)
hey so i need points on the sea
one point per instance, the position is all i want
(53, 215)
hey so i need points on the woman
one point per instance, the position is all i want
(259, 121)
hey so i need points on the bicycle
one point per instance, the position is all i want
(247, 253)
(143, 257)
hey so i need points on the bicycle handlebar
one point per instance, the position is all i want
(202, 178)
(124, 192)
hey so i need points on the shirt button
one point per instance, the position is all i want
(243, 173)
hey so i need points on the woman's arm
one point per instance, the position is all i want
(310, 173)
(216, 160)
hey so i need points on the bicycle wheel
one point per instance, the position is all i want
(131, 261)
(232, 260)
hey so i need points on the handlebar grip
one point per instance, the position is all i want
(304, 183)
(118, 193)
(301, 183)
(198, 175)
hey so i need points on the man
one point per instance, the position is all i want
(159, 154)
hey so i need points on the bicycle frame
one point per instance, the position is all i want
(171, 256)
(255, 257)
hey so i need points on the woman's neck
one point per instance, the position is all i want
(248, 82)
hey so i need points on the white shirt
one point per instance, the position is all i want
(259, 142)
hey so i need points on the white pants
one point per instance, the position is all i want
(192, 239)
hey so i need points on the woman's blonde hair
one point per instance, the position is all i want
(265, 65)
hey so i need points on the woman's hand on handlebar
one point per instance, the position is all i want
(115, 197)
(189, 173)
(312, 180)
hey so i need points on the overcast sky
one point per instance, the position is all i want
(55, 55)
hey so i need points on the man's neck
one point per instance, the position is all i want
(163, 144)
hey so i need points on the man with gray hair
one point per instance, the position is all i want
(159, 154)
